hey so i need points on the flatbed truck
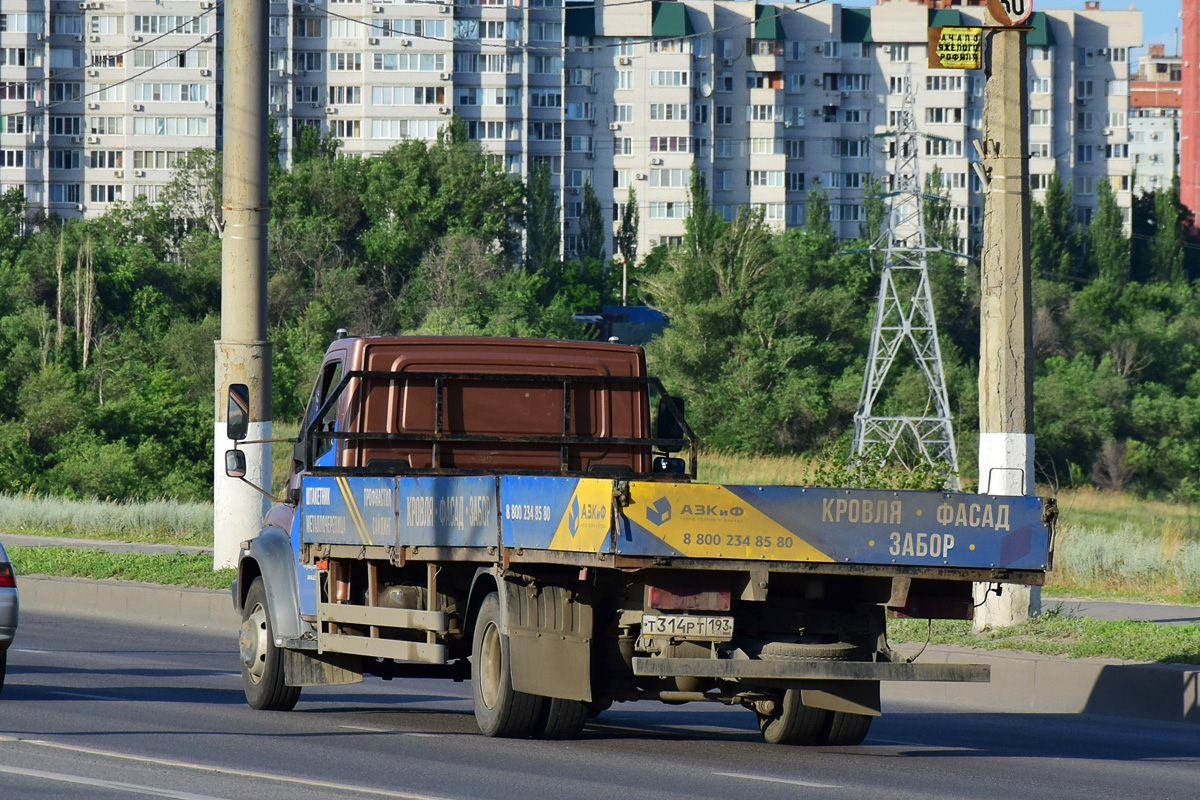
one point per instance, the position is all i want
(512, 513)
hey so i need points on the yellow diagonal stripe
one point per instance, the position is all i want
(352, 507)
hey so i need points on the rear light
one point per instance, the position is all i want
(686, 600)
(8, 578)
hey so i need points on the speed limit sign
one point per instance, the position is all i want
(1010, 12)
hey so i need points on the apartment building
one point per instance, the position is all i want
(1155, 102)
(769, 101)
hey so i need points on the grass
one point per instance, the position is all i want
(155, 521)
(1056, 633)
(171, 569)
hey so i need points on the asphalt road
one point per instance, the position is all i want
(106, 710)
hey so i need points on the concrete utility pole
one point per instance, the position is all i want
(1006, 318)
(243, 354)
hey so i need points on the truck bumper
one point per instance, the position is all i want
(809, 670)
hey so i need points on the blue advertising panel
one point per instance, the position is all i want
(573, 514)
(861, 526)
(448, 512)
(340, 510)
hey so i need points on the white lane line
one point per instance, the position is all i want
(61, 777)
(423, 735)
(365, 728)
(85, 696)
(266, 776)
(766, 779)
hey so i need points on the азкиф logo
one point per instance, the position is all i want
(573, 517)
(660, 512)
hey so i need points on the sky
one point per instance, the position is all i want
(1160, 18)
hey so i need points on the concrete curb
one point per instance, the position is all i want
(144, 603)
(1021, 683)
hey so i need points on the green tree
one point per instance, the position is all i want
(592, 229)
(543, 229)
(1054, 237)
(1108, 248)
(703, 225)
(1166, 249)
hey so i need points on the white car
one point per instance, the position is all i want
(10, 607)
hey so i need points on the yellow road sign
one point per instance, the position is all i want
(955, 48)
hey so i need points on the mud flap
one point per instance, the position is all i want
(310, 668)
(550, 640)
(852, 697)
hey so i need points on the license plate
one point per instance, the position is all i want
(686, 626)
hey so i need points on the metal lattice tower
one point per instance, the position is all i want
(904, 318)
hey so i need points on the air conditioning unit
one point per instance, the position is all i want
(93, 105)
(83, 6)
(574, 190)
(372, 40)
(887, 48)
(79, 37)
(446, 76)
(727, 62)
(118, 173)
(330, 110)
(377, 9)
(624, 61)
(79, 206)
(204, 73)
(641, 176)
(614, 126)
(818, 49)
(93, 38)
(817, 83)
(1108, 131)
(206, 4)
(845, 95)
(95, 6)
(93, 73)
(406, 42)
(139, 173)
(135, 38)
(138, 107)
(93, 140)
(656, 162)
(444, 110)
(589, 155)
(76, 139)
(592, 88)
(1103, 51)
(443, 9)
(316, 104)
(282, 73)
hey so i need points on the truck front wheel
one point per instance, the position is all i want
(499, 709)
(262, 661)
(786, 720)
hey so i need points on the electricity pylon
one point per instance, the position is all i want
(904, 318)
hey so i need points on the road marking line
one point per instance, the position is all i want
(423, 735)
(86, 696)
(766, 779)
(266, 776)
(365, 728)
(62, 777)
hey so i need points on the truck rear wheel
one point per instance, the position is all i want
(788, 721)
(562, 719)
(499, 710)
(846, 729)
(262, 661)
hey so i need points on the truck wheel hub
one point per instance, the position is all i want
(252, 643)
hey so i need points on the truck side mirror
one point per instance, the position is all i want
(237, 414)
(669, 425)
(235, 463)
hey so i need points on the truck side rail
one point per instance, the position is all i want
(437, 438)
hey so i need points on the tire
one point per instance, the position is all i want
(792, 722)
(807, 651)
(500, 711)
(262, 661)
(845, 729)
(3, 668)
(562, 719)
